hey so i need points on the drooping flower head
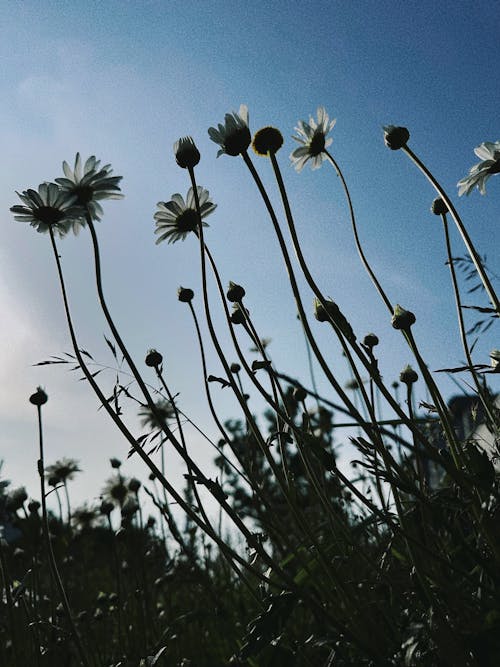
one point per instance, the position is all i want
(176, 218)
(186, 154)
(312, 139)
(48, 208)
(234, 136)
(489, 152)
(89, 184)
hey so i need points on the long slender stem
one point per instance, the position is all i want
(461, 228)
(53, 565)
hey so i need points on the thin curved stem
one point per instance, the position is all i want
(461, 228)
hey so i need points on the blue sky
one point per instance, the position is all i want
(124, 80)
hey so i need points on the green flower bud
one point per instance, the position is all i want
(408, 376)
(438, 207)
(39, 398)
(185, 294)
(235, 368)
(186, 154)
(300, 394)
(331, 312)
(395, 137)
(370, 340)
(235, 292)
(402, 319)
(153, 359)
(238, 316)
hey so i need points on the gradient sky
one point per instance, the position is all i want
(123, 80)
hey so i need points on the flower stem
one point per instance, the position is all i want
(461, 228)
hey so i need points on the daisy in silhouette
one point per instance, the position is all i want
(176, 218)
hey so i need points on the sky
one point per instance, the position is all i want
(123, 81)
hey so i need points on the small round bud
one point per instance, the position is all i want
(238, 316)
(395, 137)
(370, 340)
(438, 207)
(33, 506)
(300, 394)
(185, 294)
(267, 140)
(187, 155)
(106, 507)
(115, 463)
(39, 397)
(235, 292)
(402, 319)
(235, 368)
(153, 359)
(408, 376)
(330, 312)
(134, 485)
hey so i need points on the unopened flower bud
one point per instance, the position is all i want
(237, 316)
(153, 359)
(402, 319)
(185, 294)
(438, 206)
(370, 340)
(267, 140)
(300, 394)
(106, 507)
(235, 292)
(408, 375)
(395, 137)
(33, 506)
(187, 155)
(331, 312)
(39, 397)
(134, 485)
(235, 368)
(115, 463)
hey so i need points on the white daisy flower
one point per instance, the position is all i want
(489, 152)
(89, 184)
(176, 218)
(312, 137)
(234, 136)
(50, 207)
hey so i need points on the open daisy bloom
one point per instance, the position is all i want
(234, 136)
(176, 218)
(49, 207)
(489, 152)
(312, 137)
(89, 183)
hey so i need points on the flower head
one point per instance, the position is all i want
(312, 137)
(186, 154)
(176, 218)
(489, 152)
(234, 136)
(89, 184)
(50, 207)
(395, 137)
(163, 413)
(267, 140)
(64, 469)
